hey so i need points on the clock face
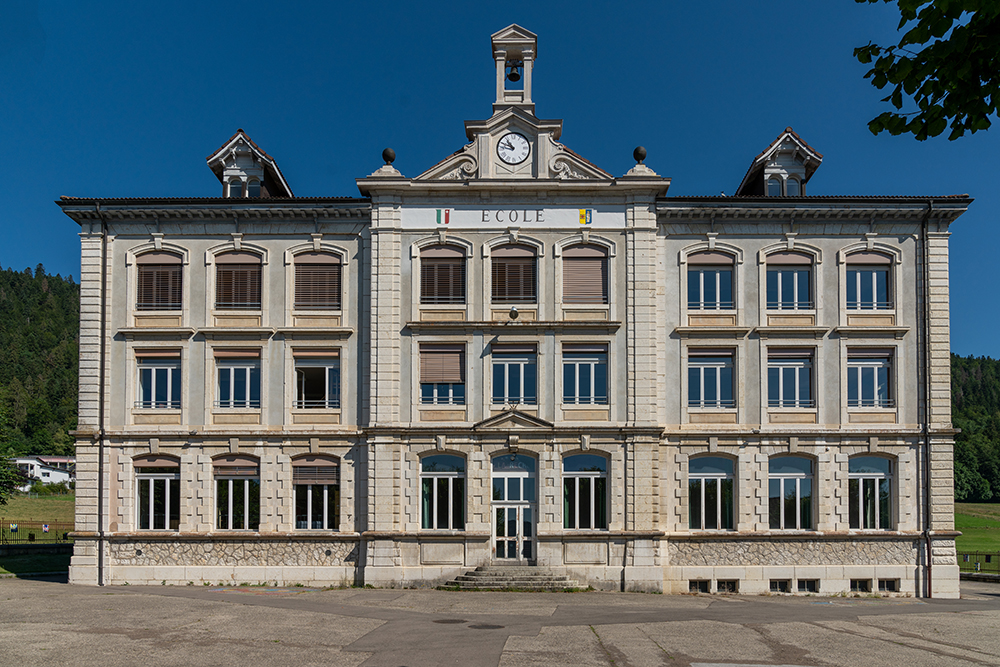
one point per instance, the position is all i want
(513, 148)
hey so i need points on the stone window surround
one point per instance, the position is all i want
(418, 494)
(607, 475)
(132, 279)
(315, 245)
(346, 361)
(236, 245)
(895, 255)
(792, 244)
(712, 245)
(894, 490)
(896, 377)
(445, 239)
(513, 237)
(416, 406)
(132, 378)
(585, 238)
(738, 350)
(737, 489)
(211, 376)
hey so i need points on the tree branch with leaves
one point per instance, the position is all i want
(953, 79)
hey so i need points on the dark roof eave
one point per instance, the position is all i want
(245, 202)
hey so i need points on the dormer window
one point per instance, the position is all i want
(236, 188)
(792, 187)
(773, 187)
(253, 189)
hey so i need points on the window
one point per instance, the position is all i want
(585, 492)
(888, 585)
(237, 281)
(773, 187)
(515, 374)
(514, 274)
(788, 277)
(790, 493)
(317, 281)
(699, 585)
(781, 586)
(317, 378)
(236, 188)
(789, 378)
(710, 281)
(728, 585)
(253, 188)
(710, 379)
(861, 585)
(585, 374)
(238, 378)
(442, 374)
(808, 585)
(442, 492)
(868, 284)
(870, 490)
(868, 378)
(442, 275)
(585, 274)
(237, 493)
(159, 281)
(159, 379)
(316, 484)
(157, 493)
(710, 493)
(792, 187)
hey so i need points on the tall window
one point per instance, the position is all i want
(585, 374)
(710, 493)
(442, 374)
(773, 187)
(869, 378)
(159, 379)
(585, 274)
(514, 278)
(792, 187)
(317, 281)
(789, 378)
(868, 284)
(160, 281)
(710, 281)
(585, 492)
(442, 492)
(157, 493)
(237, 281)
(237, 492)
(870, 483)
(788, 277)
(442, 275)
(236, 188)
(253, 188)
(710, 379)
(790, 493)
(515, 374)
(317, 378)
(238, 378)
(316, 484)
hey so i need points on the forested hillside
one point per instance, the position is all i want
(975, 397)
(39, 324)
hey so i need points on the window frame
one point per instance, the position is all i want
(794, 262)
(167, 297)
(864, 260)
(718, 478)
(308, 260)
(233, 469)
(325, 473)
(253, 264)
(882, 514)
(447, 255)
(454, 376)
(701, 269)
(717, 403)
(329, 360)
(521, 357)
(429, 513)
(799, 361)
(508, 255)
(876, 359)
(600, 502)
(168, 471)
(797, 478)
(234, 361)
(169, 363)
(574, 354)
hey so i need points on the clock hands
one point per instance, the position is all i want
(507, 144)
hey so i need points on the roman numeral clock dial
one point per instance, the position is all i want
(513, 148)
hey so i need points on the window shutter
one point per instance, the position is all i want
(236, 465)
(237, 286)
(442, 275)
(585, 280)
(790, 353)
(513, 348)
(159, 287)
(593, 348)
(514, 279)
(315, 469)
(442, 364)
(317, 285)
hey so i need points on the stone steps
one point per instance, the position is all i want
(507, 577)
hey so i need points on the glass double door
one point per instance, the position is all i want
(514, 508)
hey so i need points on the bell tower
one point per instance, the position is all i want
(514, 50)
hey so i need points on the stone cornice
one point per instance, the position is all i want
(148, 212)
(867, 209)
(513, 327)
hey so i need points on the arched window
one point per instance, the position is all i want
(514, 276)
(442, 274)
(792, 187)
(870, 483)
(790, 493)
(585, 492)
(253, 188)
(514, 506)
(237, 492)
(442, 492)
(710, 493)
(710, 281)
(236, 188)
(868, 283)
(157, 492)
(316, 485)
(788, 281)
(159, 282)
(585, 274)
(317, 281)
(773, 187)
(237, 281)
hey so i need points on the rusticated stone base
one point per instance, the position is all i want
(253, 553)
(786, 552)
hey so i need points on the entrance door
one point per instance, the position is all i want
(514, 508)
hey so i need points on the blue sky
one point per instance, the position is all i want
(126, 99)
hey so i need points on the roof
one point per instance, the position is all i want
(244, 201)
(215, 159)
(813, 156)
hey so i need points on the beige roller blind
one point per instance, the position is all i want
(585, 279)
(442, 364)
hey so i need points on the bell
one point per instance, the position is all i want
(514, 74)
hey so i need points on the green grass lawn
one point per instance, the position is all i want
(47, 509)
(980, 526)
(35, 563)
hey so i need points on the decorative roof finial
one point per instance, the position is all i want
(639, 154)
(389, 155)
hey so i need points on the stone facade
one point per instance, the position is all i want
(583, 462)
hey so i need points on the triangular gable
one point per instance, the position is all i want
(786, 141)
(513, 32)
(216, 161)
(513, 418)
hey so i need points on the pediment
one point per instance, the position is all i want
(513, 32)
(512, 419)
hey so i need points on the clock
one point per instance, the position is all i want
(513, 148)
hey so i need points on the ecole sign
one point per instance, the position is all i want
(602, 217)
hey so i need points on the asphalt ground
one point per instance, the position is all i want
(49, 622)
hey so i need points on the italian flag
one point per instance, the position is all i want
(443, 216)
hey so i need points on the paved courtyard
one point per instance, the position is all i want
(49, 622)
